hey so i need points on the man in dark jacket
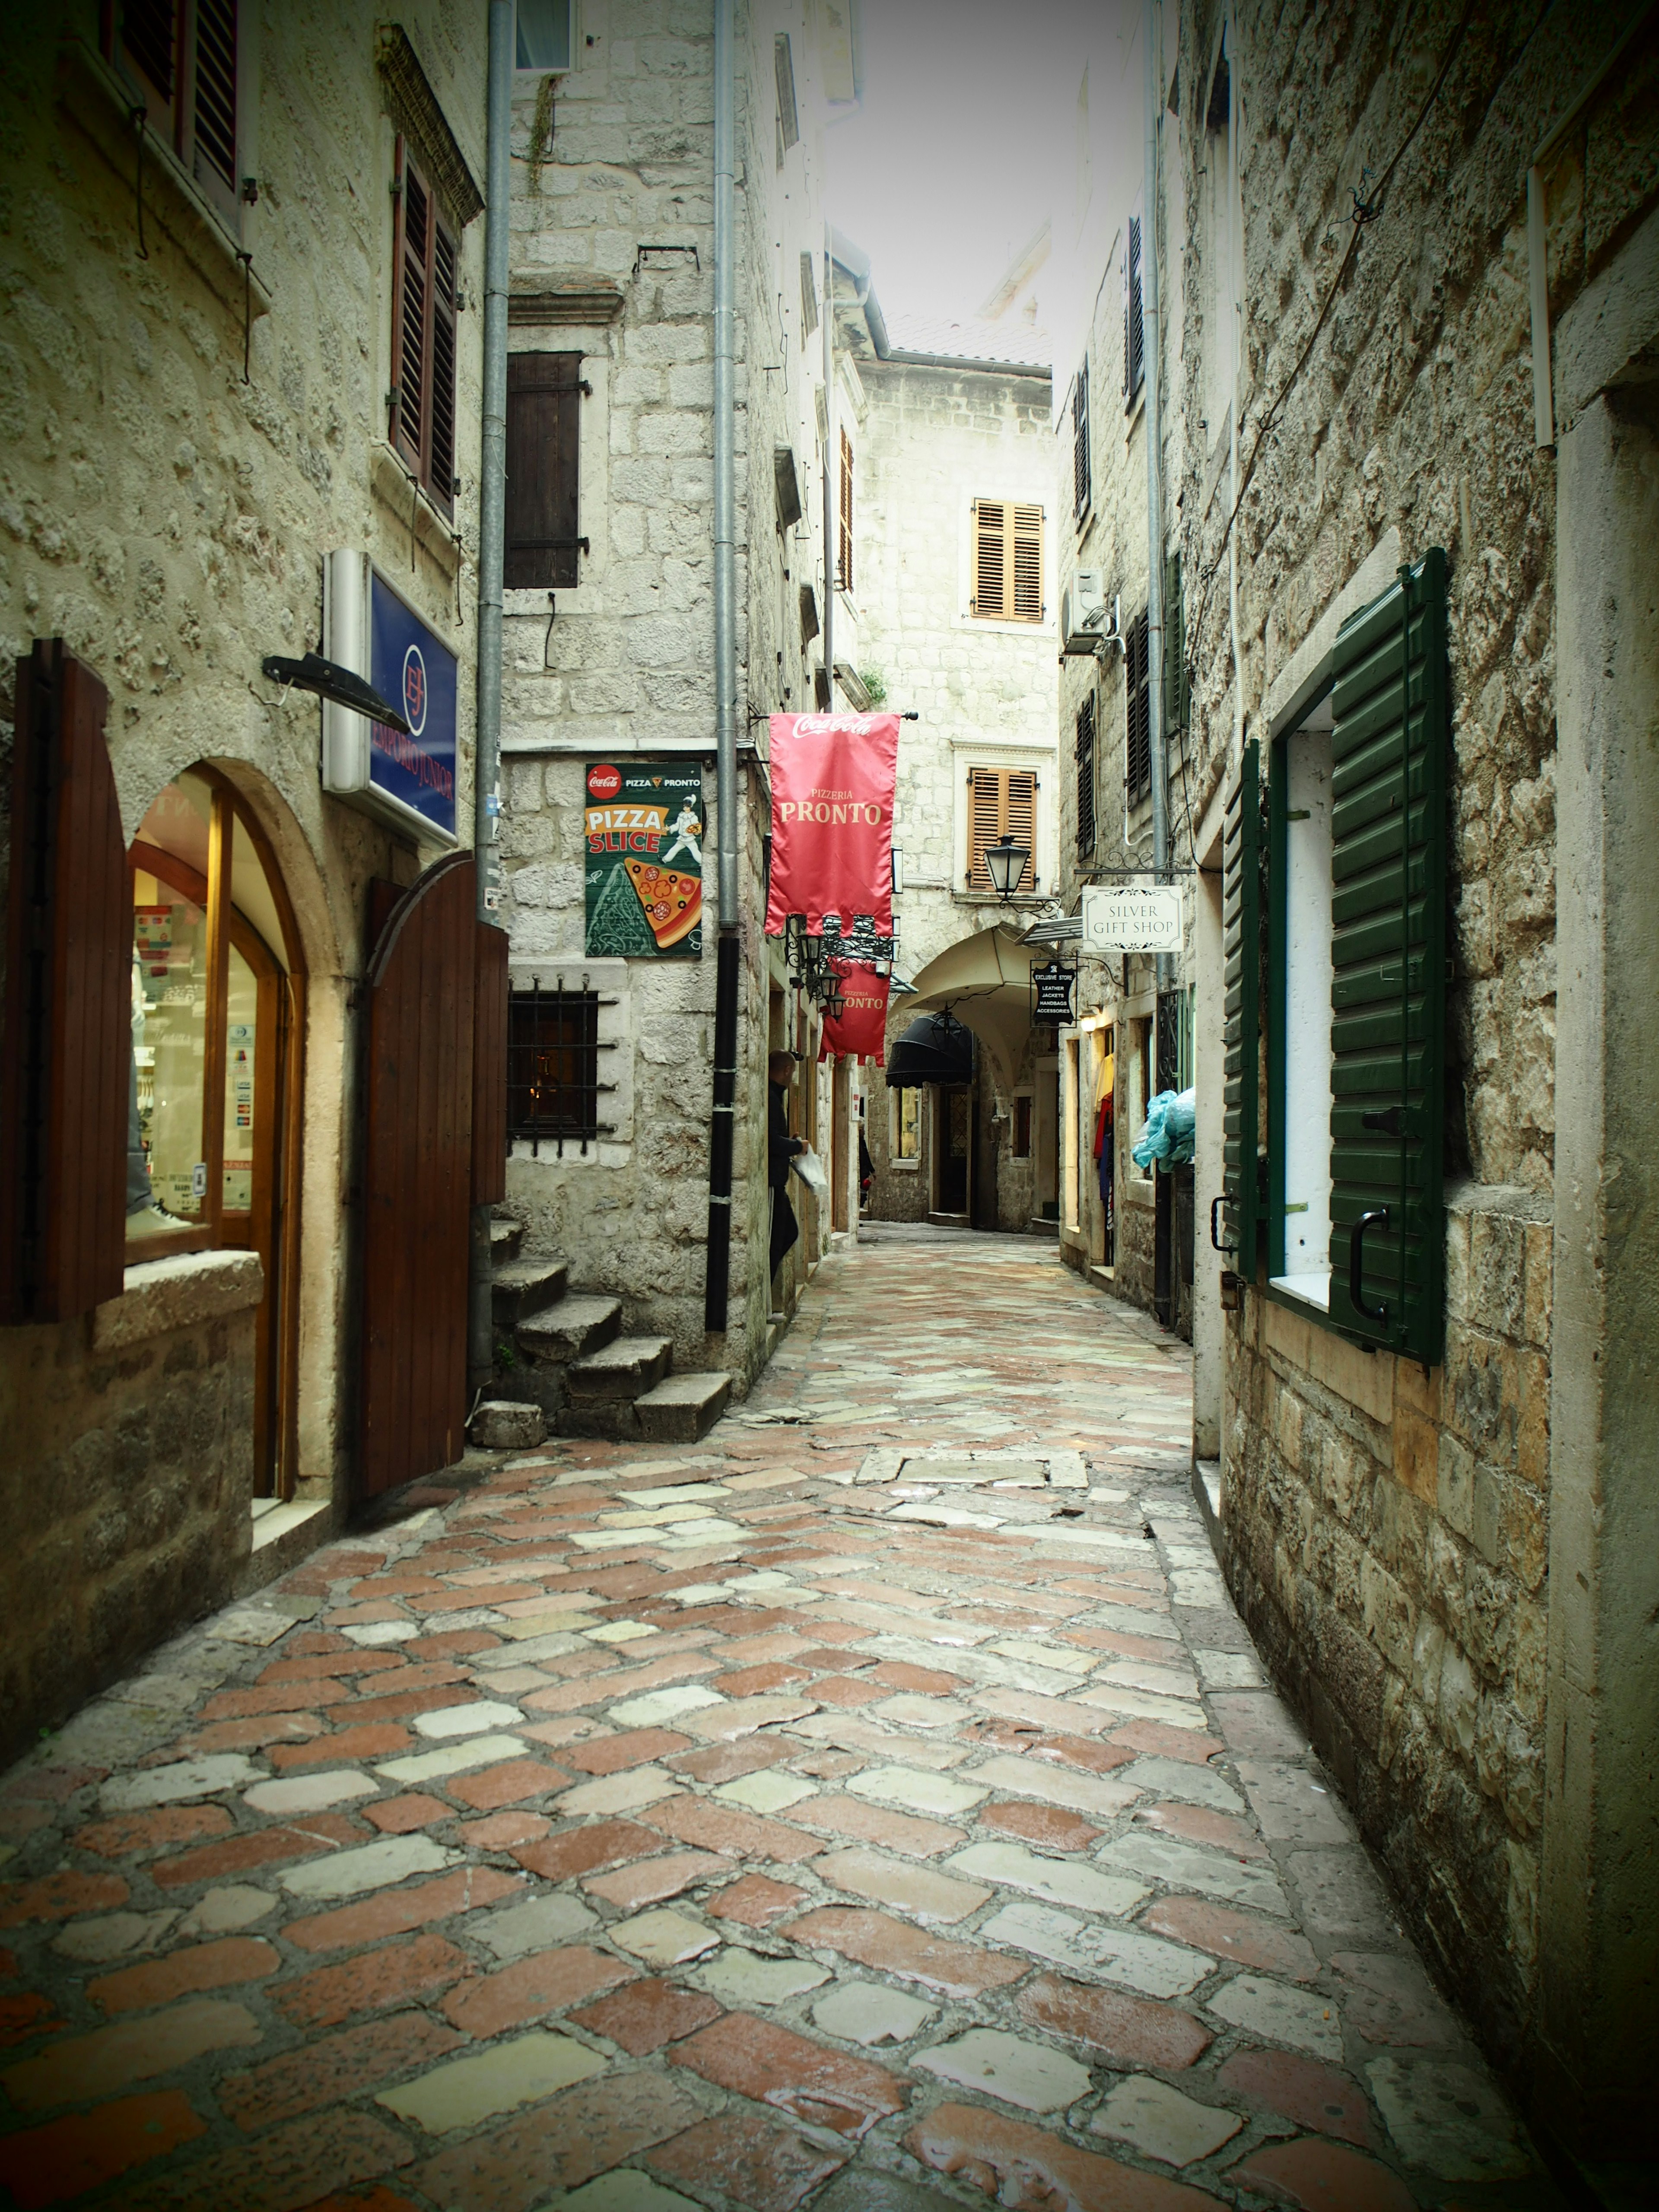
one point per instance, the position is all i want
(781, 1149)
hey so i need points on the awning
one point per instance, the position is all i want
(985, 982)
(935, 1048)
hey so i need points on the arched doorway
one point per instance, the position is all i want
(214, 1122)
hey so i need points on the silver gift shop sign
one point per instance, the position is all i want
(1132, 918)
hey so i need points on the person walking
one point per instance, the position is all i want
(781, 1149)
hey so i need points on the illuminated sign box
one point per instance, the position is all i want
(371, 628)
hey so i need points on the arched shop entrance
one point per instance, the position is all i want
(214, 1112)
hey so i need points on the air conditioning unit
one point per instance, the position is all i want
(1083, 615)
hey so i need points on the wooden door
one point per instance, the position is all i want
(417, 1177)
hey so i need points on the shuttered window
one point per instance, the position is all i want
(1086, 778)
(846, 504)
(1135, 327)
(1137, 712)
(808, 296)
(1389, 746)
(66, 1051)
(543, 443)
(1001, 803)
(784, 66)
(1177, 685)
(1081, 480)
(423, 401)
(1241, 945)
(1008, 562)
(181, 57)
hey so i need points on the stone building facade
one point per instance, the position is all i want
(613, 263)
(1447, 1563)
(942, 419)
(197, 350)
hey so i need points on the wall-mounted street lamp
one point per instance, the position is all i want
(1005, 864)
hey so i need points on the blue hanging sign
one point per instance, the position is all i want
(410, 666)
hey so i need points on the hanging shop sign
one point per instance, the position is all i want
(1051, 986)
(832, 821)
(861, 1025)
(1132, 918)
(642, 826)
(369, 627)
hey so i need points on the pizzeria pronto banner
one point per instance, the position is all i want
(832, 819)
(642, 826)
(861, 1025)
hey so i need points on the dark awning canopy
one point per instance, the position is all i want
(935, 1048)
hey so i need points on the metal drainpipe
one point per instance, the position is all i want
(717, 1275)
(1153, 344)
(829, 460)
(492, 501)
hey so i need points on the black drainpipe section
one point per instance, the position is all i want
(719, 1139)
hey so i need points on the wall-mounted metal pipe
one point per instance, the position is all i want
(1152, 429)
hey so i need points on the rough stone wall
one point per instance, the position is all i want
(1384, 1529)
(168, 516)
(933, 441)
(626, 663)
(127, 1499)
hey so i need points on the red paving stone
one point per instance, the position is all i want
(647, 1881)
(1244, 1938)
(937, 1962)
(1127, 2031)
(247, 1736)
(127, 2052)
(1049, 1826)
(548, 1982)
(499, 1831)
(45, 2166)
(1196, 1824)
(276, 1698)
(238, 1855)
(1030, 2168)
(1303, 2089)
(395, 1913)
(59, 1897)
(907, 1832)
(510, 1783)
(1324, 2176)
(613, 1754)
(393, 1973)
(770, 2064)
(755, 1901)
(401, 1816)
(23, 2018)
(647, 2014)
(1153, 1738)
(581, 1850)
(738, 1834)
(757, 2163)
(381, 1740)
(128, 1833)
(729, 1762)
(561, 2143)
(293, 2165)
(328, 2070)
(223, 1965)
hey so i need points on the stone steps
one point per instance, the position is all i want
(571, 1328)
(522, 1288)
(625, 1368)
(506, 1237)
(683, 1407)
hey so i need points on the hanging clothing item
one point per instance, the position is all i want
(1103, 1152)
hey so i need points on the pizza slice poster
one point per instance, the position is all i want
(642, 827)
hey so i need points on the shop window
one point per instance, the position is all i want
(426, 261)
(544, 453)
(904, 1129)
(181, 58)
(1020, 1135)
(553, 1084)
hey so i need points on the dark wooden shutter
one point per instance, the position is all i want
(1081, 480)
(490, 1066)
(1137, 711)
(1134, 331)
(410, 275)
(147, 39)
(1389, 754)
(65, 1070)
(1086, 778)
(440, 477)
(213, 107)
(846, 513)
(1242, 921)
(418, 1179)
(1177, 689)
(544, 442)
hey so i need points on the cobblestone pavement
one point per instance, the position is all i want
(631, 1829)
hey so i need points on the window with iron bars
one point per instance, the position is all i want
(553, 1086)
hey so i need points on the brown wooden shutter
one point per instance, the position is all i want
(489, 1067)
(441, 409)
(213, 109)
(1028, 564)
(1082, 480)
(1137, 711)
(846, 513)
(1020, 817)
(543, 440)
(1134, 328)
(1001, 802)
(66, 1068)
(418, 1179)
(990, 559)
(146, 44)
(411, 284)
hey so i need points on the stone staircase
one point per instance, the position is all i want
(570, 1357)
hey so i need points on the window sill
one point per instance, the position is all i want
(160, 1296)
(1312, 1290)
(904, 1167)
(401, 493)
(94, 96)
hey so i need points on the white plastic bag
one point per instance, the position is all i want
(810, 1168)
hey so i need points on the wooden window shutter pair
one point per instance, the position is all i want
(1081, 480)
(1008, 562)
(425, 265)
(1137, 712)
(1134, 325)
(845, 572)
(544, 447)
(1001, 803)
(66, 1055)
(183, 56)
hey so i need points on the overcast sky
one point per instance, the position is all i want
(966, 131)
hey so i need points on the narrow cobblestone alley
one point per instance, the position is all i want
(779, 1820)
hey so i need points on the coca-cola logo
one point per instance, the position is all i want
(604, 782)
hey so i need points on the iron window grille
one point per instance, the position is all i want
(553, 1048)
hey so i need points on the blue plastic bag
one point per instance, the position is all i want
(1167, 1136)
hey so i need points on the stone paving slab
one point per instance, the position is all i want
(755, 1824)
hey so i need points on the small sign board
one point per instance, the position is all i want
(642, 826)
(409, 665)
(1052, 988)
(1132, 918)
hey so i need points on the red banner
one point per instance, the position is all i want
(861, 1025)
(832, 819)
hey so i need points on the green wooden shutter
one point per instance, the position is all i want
(1241, 938)
(1388, 750)
(1178, 690)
